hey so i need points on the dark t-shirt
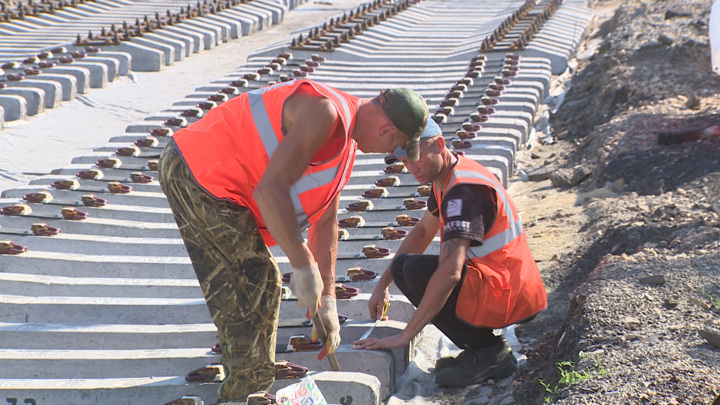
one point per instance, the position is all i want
(468, 209)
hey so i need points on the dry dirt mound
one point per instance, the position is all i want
(626, 230)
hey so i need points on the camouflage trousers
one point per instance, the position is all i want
(237, 274)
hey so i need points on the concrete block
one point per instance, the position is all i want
(143, 58)
(249, 22)
(52, 90)
(355, 308)
(222, 27)
(136, 197)
(377, 363)
(234, 27)
(336, 387)
(212, 33)
(113, 212)
(103, 310)
(343, 387)
(81, 75)
(177, 45)
(187, 41)
(168, 51)
(47, 285)
(264, 17)
(88, 265)
(99, 76)
(108, 245)
(38, 336)
(112, 65)
(34, 98)
(352, 330)
(196, 39)
(278, 10)
(68, 83)
(81, 362)
(115, 224)
(118, 61)
(208, 35)
(15, 107)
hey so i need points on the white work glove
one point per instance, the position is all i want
(306, 284)
(329, 316)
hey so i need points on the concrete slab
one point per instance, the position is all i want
(99, 75)
(178, 45)
(52, 91)
(14, 107)
(79, 73)
(46, 285)
(37, 336)
(121, 60)
(68, 82)
(34, 98)
(168, 51)
(142, 58)
(108, 245)
(249, 22)
(335, 386)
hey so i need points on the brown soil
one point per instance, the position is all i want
(626, 230)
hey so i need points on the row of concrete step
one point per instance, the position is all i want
(109, 311)
(43, 64)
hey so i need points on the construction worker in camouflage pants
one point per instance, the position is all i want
(232, 281)
(258, 170)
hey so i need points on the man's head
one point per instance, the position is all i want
(408, 111)
(432, 129)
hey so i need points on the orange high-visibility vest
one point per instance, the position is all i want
(502, 284)
(228, 150)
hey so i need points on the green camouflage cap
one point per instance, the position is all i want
(408, 111)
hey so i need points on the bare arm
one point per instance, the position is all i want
(309, 122)
(416, 241)
(439, 288)
(323, 241)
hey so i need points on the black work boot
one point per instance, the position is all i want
(474, 366)
(452, 361)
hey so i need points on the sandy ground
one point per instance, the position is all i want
(51, 139)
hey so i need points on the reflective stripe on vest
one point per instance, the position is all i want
(500, 240)
(502, 284)
(271, 143)
(227, 150)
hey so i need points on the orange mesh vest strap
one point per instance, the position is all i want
(228, 150)
(502, 285)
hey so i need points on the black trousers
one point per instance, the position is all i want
(412, 273)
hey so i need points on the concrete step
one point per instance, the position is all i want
(160, 389)
(131, 310)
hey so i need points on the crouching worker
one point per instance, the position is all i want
(258, 170)
(484, 277)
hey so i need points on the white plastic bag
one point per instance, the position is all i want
(306, 392)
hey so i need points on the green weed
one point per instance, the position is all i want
(569, 375)
(714, 299)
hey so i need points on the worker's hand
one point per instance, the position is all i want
(390, 342)
(377, 302)
(329, 316)
(306, 284)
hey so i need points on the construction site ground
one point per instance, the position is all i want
(624, 225)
